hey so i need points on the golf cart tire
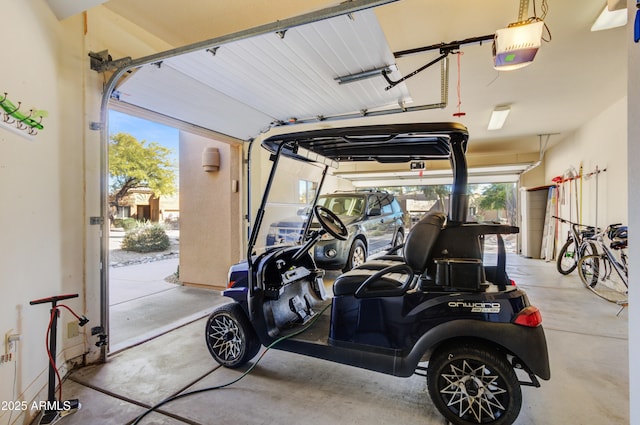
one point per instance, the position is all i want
(474, 384)
(229, 336)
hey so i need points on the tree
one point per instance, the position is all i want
(500, 197)
(494, 197)
(134, 164)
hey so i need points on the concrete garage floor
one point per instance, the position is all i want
(588, 350)
(143, 305)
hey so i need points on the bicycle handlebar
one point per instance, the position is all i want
(55, 298)
(564, 220)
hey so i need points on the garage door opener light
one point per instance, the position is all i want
(516, 46)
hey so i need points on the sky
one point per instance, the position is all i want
(144, 130)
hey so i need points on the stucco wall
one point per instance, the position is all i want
(210, 212)
(601, 142)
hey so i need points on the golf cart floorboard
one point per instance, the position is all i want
(317, 331)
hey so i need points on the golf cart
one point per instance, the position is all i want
(433, 300)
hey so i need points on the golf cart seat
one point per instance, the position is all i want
(393, 275)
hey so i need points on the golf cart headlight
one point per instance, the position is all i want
(327, 237)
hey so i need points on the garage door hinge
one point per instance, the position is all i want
(95, 126)
(102, 337)
(102, 61)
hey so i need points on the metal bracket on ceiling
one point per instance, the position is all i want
(102, 61)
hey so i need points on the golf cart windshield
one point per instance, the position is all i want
(301, 160)
(288, 204)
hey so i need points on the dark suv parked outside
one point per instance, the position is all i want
(375, 222)
(374, 219)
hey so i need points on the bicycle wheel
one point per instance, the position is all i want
(567, 258)
(588, 248)
(588, 269)
(598, 274)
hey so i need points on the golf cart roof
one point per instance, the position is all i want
(382, 143)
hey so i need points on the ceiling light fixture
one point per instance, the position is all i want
(516, 46)
(498, 117)
(609, 19)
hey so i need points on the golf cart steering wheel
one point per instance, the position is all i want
(331, 223)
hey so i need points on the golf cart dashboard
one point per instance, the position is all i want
(277, 270)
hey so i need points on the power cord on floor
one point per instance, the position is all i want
(217, 387)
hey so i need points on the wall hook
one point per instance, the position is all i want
(13, 111)
(29, 122)
(26, 117)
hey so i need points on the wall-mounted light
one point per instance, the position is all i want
(498, 117)
(211, 159)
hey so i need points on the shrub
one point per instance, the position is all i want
(148, 238)
(129, 223)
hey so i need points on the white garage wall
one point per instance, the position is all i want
(41, 186)
(600, 142)
(50, 185)
(634, 216)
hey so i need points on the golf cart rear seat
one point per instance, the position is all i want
(393, 275)
(440, 257)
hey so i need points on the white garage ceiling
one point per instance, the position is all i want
(249, 84)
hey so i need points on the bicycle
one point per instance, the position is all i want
(578, 245)
(597, 270)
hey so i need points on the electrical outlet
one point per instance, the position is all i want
(73, 329)
(11, 341)
(6, 341)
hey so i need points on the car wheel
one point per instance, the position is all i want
(357, 255)
(399, 239)
(474, 385)
(230, 338)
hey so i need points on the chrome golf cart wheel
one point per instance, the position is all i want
(230, 338)
(474, 385)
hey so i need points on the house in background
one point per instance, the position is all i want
(142, 205)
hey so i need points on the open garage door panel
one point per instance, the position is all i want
(244, 87)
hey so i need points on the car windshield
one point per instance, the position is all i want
(343, 205)
(289, 203)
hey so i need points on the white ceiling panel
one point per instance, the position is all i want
(249, 84)
(169, 92)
